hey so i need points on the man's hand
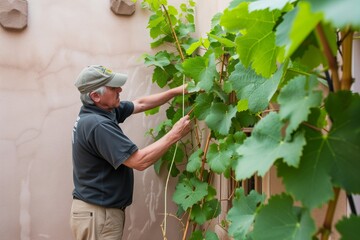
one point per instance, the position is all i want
(181, 128)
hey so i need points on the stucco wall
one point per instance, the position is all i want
(39, 102)
(38, 67)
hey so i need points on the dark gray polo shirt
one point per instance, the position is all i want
(99, 149)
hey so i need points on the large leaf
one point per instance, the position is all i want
(189, 191)
(310, 182)
(219, 157)
(219, 118)
(349, 228)
(280, 220)
(163, 75)
(202, 105)
(265, 146)
(256, 45)
(297, 25)
(194, 162)
(242, 214)
(343, 141)
(202, 70)
(208, 210)
(160, 60)
(296, 99)
(264, 4)
(256, 89)
(340, 13)
(198, 235)
(328, 158)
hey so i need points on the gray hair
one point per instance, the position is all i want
(86, 99)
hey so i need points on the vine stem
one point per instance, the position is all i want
(331, 59)
(166, 189)
(347, 80)
(173, 33)
(172, 163)
(204, 157)
(187, 225)
(183, 110)
(326, 231)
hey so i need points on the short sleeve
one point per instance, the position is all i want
(112, 144)
(125, 109)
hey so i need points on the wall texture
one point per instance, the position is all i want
(38, 67)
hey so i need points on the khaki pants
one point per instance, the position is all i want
(92, 222)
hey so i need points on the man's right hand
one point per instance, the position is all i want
(181, 127)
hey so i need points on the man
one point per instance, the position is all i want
(104, 157)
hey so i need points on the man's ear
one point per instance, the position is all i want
(95, 97)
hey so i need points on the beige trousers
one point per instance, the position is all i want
(92, 222)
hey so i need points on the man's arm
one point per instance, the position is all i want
(155, 100)
(143, 158)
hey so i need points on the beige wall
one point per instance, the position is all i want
(38, 67)
(39, 102)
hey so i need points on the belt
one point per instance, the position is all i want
(121, 208)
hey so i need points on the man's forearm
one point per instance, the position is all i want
(143, 158)
(148, 155)
(155, 100)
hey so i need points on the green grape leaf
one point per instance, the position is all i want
(257, 90)
(231, 19)
(264, 4)
(152, 111)
(219, 157)
(202, 70)
(185, 29)
(208, 210)
(242, 105)
(296, 99)
(256, 45)
(163, 75)
(258, 49)
(312, 169)
(297, 25)
(219, 118)
(189, 192)
(158, 164)
(225, 41)
(193, 47)
(332, 8)
(194, 162)
(326, 158)
(160, 60)
(280, 220)
(203, 102)
(349, 228)
(172, 10)
(155, 20)
(265, 146)
(196, 235)
(198, 215)
(242, 214)
(343, 141)
(313, 57)
(209, 235)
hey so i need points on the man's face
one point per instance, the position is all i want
(110, 99)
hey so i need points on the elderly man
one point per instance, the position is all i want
(104, 157)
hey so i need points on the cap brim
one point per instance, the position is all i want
(118, 80)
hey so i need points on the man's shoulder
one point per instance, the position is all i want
(92, 119)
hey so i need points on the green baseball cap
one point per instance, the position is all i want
(94, 76)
